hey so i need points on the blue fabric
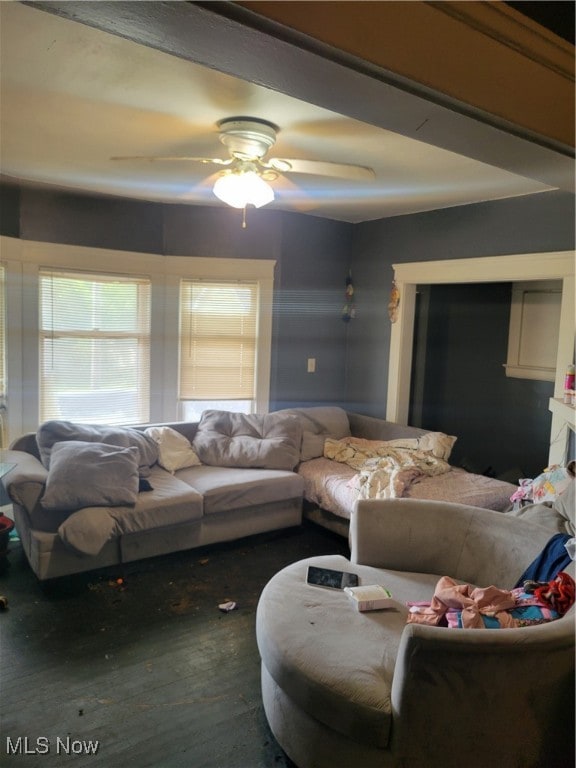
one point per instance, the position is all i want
(553, 559)
(530, 614)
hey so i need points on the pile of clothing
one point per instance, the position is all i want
(543, 593)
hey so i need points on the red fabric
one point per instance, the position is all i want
(6, 524)
(558, 593)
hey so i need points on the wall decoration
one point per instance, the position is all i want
(394, 303)
(349, 310)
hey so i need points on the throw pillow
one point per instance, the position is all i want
(86, 474)
(57, 431)
(174, 450)
(437, 443)
(269, 441)
(318, 423)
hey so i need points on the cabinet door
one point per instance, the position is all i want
(533, 332)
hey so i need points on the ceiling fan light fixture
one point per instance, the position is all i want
(239, 189)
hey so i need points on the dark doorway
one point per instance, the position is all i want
(459, 384)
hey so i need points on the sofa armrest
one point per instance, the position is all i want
(26, 443)
(475, 545)
(505, 682)
(24, 483)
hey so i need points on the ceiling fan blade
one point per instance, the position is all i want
(322, 168)
(205, 160)
(288, 190)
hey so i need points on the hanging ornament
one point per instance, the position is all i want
(394, 303)
(349, 310)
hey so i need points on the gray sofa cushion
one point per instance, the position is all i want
(558, 515)
(270, 441)
(227, 488)
(170, 502)
(565, 506)
(57, 431)
(89, 474)
(318, 423)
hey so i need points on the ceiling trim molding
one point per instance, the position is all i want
(519, 33)
(473, 52)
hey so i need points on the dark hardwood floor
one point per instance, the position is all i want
(150, 669)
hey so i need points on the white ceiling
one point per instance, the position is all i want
(72, 97)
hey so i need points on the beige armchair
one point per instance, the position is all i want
(344, 689)
(496, 697)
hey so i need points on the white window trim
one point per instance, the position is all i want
(23, 259)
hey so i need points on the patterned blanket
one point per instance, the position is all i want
(385, 469)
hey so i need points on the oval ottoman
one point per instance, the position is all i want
(327, 669)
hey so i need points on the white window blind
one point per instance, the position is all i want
(218, 340)
(94, 347)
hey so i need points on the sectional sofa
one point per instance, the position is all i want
(88, 496)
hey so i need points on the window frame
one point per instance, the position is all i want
(23, 260)
(189, 319)
(140, 334)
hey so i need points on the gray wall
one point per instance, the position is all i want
(532, 224)
(315, 263)
(313, 258)
(312, 255)
(465, 390)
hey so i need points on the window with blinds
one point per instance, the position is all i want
(218, 341)
(94, 347)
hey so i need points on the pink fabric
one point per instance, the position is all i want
(472, 601)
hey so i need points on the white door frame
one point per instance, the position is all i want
(490, 269)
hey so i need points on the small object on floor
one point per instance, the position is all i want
(3, 603)
(117, 584)
(228, 606)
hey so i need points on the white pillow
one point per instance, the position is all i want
(438, 444)
(174, 450)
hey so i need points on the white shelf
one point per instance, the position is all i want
(564, 410)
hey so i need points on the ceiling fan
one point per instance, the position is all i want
(248, 169)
